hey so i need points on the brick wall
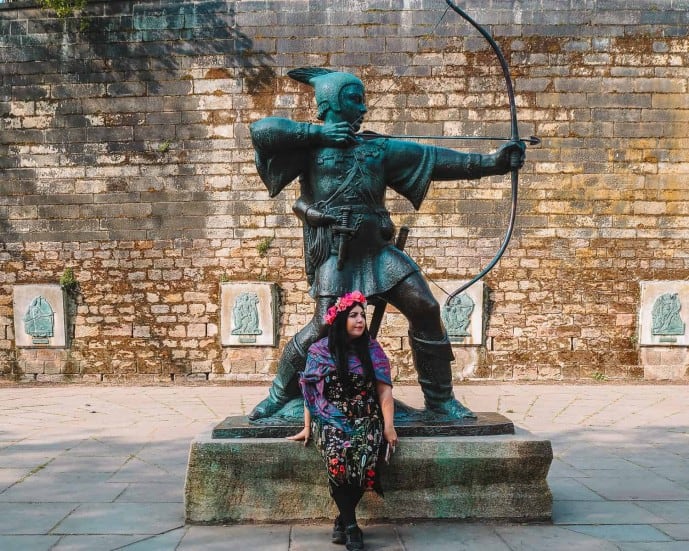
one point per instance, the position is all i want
(124, 154)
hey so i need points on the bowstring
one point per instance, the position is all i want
(425, 39)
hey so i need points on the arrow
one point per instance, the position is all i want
(369, 135)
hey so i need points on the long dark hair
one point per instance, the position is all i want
(339, 346)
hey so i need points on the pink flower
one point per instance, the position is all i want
(344, 302)
(347, 444)
(330, 315)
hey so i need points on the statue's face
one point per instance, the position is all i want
(352, 105)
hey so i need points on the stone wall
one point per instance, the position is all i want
(124, 154)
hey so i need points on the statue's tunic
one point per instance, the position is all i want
(355, 177)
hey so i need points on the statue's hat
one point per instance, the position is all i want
(327, 85)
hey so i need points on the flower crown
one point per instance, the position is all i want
(344, 302)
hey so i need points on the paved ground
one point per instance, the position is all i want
(102, 468)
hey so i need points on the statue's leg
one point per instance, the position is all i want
(431, 349)
(433, 361)
(286, 382)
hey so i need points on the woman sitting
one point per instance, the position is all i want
(349, 408)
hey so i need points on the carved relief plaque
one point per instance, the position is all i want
(248, 314)
(39, 316)
(664, 313)
(463, 315)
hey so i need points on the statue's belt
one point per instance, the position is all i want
(358, 216)
(358, 209)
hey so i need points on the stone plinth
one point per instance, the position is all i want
(275, 480)
(485, 424)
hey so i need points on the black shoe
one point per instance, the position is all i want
(338, 536)
(355, 538)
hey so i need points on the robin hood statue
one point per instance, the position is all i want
(348, 233)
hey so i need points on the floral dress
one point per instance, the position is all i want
(348, 430)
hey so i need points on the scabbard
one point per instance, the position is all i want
(342, 248)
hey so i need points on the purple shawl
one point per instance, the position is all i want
(319, 363)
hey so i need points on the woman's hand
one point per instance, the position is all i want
(390, 435)
(387, 407)
(304, 434)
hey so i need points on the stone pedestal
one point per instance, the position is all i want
(275, 480)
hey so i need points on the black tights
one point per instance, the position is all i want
(346, 498)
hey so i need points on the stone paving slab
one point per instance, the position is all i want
(605, 512)
(91, 543)
(622, 532)
(32, 518)
(221, 538)
(51, 489)
(445, 536)
(675, 531)
(572, 489)
(620, 470)
(645, 486)
(669, 511)
(122, 518)
(8, 477)
(25, 543)
(162, 492)
(163, 542)
(549, 538)
(654, 546)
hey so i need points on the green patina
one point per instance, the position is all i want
(39, 320)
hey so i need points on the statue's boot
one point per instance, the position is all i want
(432, 360)
(285, 384)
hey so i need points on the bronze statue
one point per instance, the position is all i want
(348, 231)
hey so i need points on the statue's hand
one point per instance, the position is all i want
(316, 217)
(338, 134)
(510, 156)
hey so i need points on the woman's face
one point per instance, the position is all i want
(356, 322)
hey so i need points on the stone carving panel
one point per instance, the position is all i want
(39, 316)
(248, 314)
(463, 316)
(664, 313)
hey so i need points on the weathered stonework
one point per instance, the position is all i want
(124, 154)
(468, 477)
